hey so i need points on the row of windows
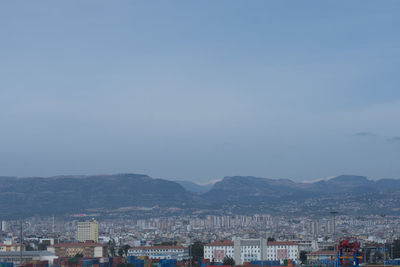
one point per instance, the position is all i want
(155, 250)
(249, 247)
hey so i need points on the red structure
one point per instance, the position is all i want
(348, 253)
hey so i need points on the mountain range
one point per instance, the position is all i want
(349, 194)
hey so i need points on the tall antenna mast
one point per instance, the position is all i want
(20, 243)
(53, 225)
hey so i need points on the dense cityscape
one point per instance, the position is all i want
(312, 240)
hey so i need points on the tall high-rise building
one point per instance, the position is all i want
(329, 227)
(3, 226)
(87, 231)
(314, 228)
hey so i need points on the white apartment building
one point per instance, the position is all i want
(87, 231)
(3, 226)
(217, 251)
(178, 253)
(247, 250)
(283, 250)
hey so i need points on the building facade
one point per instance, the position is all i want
(217, 251)
(88, 249)
(3, 226)
(307, 245)
(27, 256)
(178, 253)
(283, 250)
(322, 257)
(247, 250)
(87, 231)
(9, 246)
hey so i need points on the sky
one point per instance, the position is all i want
(199, 90)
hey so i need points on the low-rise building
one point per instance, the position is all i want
(7, 246)
(27, 256)
(307, 245)
(321, 257)
(247, 250)
(161, 252)
(217, 251)
(283, 250)
(88, 249)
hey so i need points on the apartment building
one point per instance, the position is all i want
(247, 250)
(87, 231)
(88, 249)
(217, 251)
(178, 253)
(283, 250)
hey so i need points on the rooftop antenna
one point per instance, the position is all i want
(20, 243)
(53, 226)
(384, 244)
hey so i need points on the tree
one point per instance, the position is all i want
(228, 261)
(111, 247)
(121, 252)
(125, 249)
(125, 265)
(42, 246)
(28, 247)
(197, 251)
(75, 259)
(303, 256)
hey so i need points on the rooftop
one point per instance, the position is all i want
(159, 247)
(27, 253)
(220, 243)
(282, 243)
(79, 244)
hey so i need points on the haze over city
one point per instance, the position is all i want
(187, 90)
(223, 133)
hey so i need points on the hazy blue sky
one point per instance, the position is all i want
(199, 90)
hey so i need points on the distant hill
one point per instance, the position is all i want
(74, 194)
(195, 187)
(347, 193)
(345, 183)
(247, 189)
(350, 194)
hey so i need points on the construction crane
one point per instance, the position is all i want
(348, 253)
